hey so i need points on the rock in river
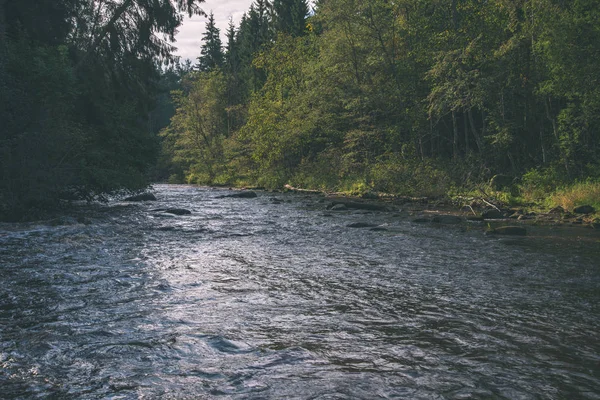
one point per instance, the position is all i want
(447, 219)
(492, 214)
(177, 211)
(586, 209)
(509, 230)
(241, 195)
(421, 220)
(141, 197)
(361, 225)
(338, 207)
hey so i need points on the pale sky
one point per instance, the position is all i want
(189, 38)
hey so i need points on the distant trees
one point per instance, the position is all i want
(369, 92)
(199, 126)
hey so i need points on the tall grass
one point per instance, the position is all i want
(577, 194)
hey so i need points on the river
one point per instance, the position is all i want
(263, 299)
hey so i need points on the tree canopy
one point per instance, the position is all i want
(377, 92)
(78, 87)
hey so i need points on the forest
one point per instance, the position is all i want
(433, 98)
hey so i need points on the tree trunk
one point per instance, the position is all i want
(455, 137)
(475, 134)
(466, 128)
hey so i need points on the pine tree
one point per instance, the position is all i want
(211, 54)
(289, 16)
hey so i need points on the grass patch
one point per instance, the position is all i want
(577, 194)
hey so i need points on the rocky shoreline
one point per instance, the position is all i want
(497, 219)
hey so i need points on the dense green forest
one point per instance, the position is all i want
(412, 97)
(80, 97)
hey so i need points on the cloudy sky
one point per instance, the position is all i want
(190, 33)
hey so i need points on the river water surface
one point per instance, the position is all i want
(255, 299)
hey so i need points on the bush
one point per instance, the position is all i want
(537, 184)
(410, 178)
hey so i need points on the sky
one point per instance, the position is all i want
(189, 38)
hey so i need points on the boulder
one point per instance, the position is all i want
(141, 197)
(177, 211)
(447, 219)
(338, 207)
(585, 209)
(361, 225)
(509, 230)
(492, 213)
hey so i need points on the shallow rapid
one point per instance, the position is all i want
(276, 299)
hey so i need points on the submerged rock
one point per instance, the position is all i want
(378, 229)
(447, 219)
(338, 207)
(241, 195)
(421, 220)
(361, 225)
(141, 197)
(177, 211)
(509, 230)
(359, 205)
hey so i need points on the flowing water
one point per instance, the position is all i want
(256, 299)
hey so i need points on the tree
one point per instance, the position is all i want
(211, 53)
(198, 129)
(289, 16)
(79, 79)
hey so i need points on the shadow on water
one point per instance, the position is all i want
(251, 298)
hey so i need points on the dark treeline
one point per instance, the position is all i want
(409, 96)
(79, 86)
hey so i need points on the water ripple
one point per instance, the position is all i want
(255, 299)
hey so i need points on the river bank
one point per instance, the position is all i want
(472, 211)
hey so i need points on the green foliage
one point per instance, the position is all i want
(414, 97)
(77, 87)
(577, 194)
(408, 177)
(211, 53)
(198, 128)
(538, 183)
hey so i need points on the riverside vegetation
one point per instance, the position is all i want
(494, 101)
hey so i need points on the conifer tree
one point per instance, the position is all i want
(289, 16)
(211, 54)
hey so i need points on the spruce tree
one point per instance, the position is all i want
(289, 16)
(211, 53)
